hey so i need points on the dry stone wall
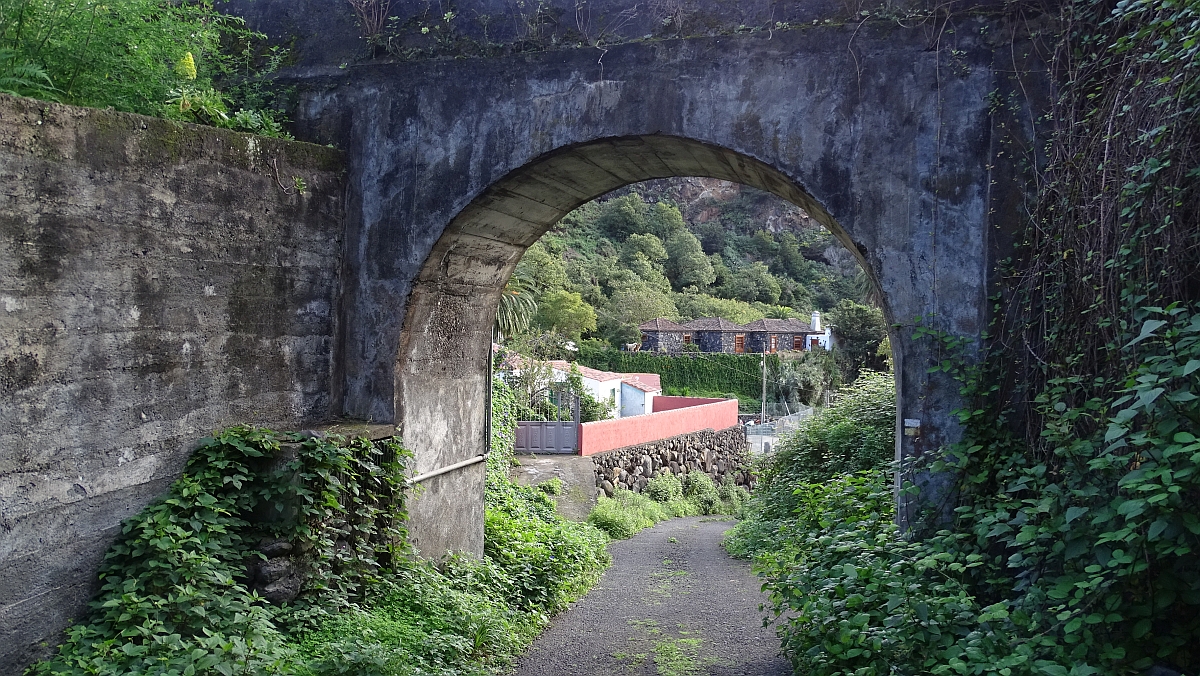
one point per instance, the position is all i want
(723, 454)
(157, 281)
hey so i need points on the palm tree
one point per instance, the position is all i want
(516, 310)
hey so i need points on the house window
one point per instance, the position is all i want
(774, 343)
(645, 337)
(739, 343)
(797, 342)
(687, 339)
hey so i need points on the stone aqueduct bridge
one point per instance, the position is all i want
(458, 166)
(372, 296)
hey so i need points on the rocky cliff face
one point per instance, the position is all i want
(746, 210)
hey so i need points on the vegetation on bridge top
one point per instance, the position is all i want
(153, 57)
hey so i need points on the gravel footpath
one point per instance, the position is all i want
(672, 604)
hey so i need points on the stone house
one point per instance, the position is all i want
(774, 335)
(716, 334)
(662, 335)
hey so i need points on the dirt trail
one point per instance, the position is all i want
(673, 604)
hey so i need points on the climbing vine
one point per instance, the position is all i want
(287, 553)
(1079, 476)
(1073, 546)
(175, 594)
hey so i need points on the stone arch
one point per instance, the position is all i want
(441, 371)
(458, 165)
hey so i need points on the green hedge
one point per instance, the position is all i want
(739, 374)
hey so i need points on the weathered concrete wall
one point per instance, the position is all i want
(325, 32)
(157, 283)
(722, 454)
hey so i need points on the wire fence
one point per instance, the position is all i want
(763, 438)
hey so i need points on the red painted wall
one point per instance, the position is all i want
(605, 435)
(671, 403)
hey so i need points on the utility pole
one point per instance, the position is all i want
(763, 418)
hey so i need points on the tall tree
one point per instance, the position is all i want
(566, 313)
(516, 310)
(664, 220)
(541, 271)
(751, 283)
(858, 330)
(686, 263)
(624, 216)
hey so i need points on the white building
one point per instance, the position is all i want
(637, 393)
(631, 393)
(819, 336)
(603, 385)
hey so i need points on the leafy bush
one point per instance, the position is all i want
(423, 620)
(735, 497)
(550, 562)
(551, 486)
(853, 597)
(666, 496)
(699, 488)
(682, 507)
(626, 513)
(664, 487)
(856, 432)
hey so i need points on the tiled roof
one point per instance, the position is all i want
(773, 325)
(800, 326)
(646, 382)
(586, 372)
(661, 324)
(713, 324)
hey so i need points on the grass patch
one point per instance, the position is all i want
(626, 513)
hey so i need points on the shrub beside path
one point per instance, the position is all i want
(672, 604)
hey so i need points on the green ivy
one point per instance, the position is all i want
(176, 598)
(174, 595)
(740, 374)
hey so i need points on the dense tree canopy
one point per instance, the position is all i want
(621, 261)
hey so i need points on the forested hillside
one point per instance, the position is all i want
(680, 249)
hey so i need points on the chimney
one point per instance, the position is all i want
(816, 321)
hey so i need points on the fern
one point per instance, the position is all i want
(24, 78)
